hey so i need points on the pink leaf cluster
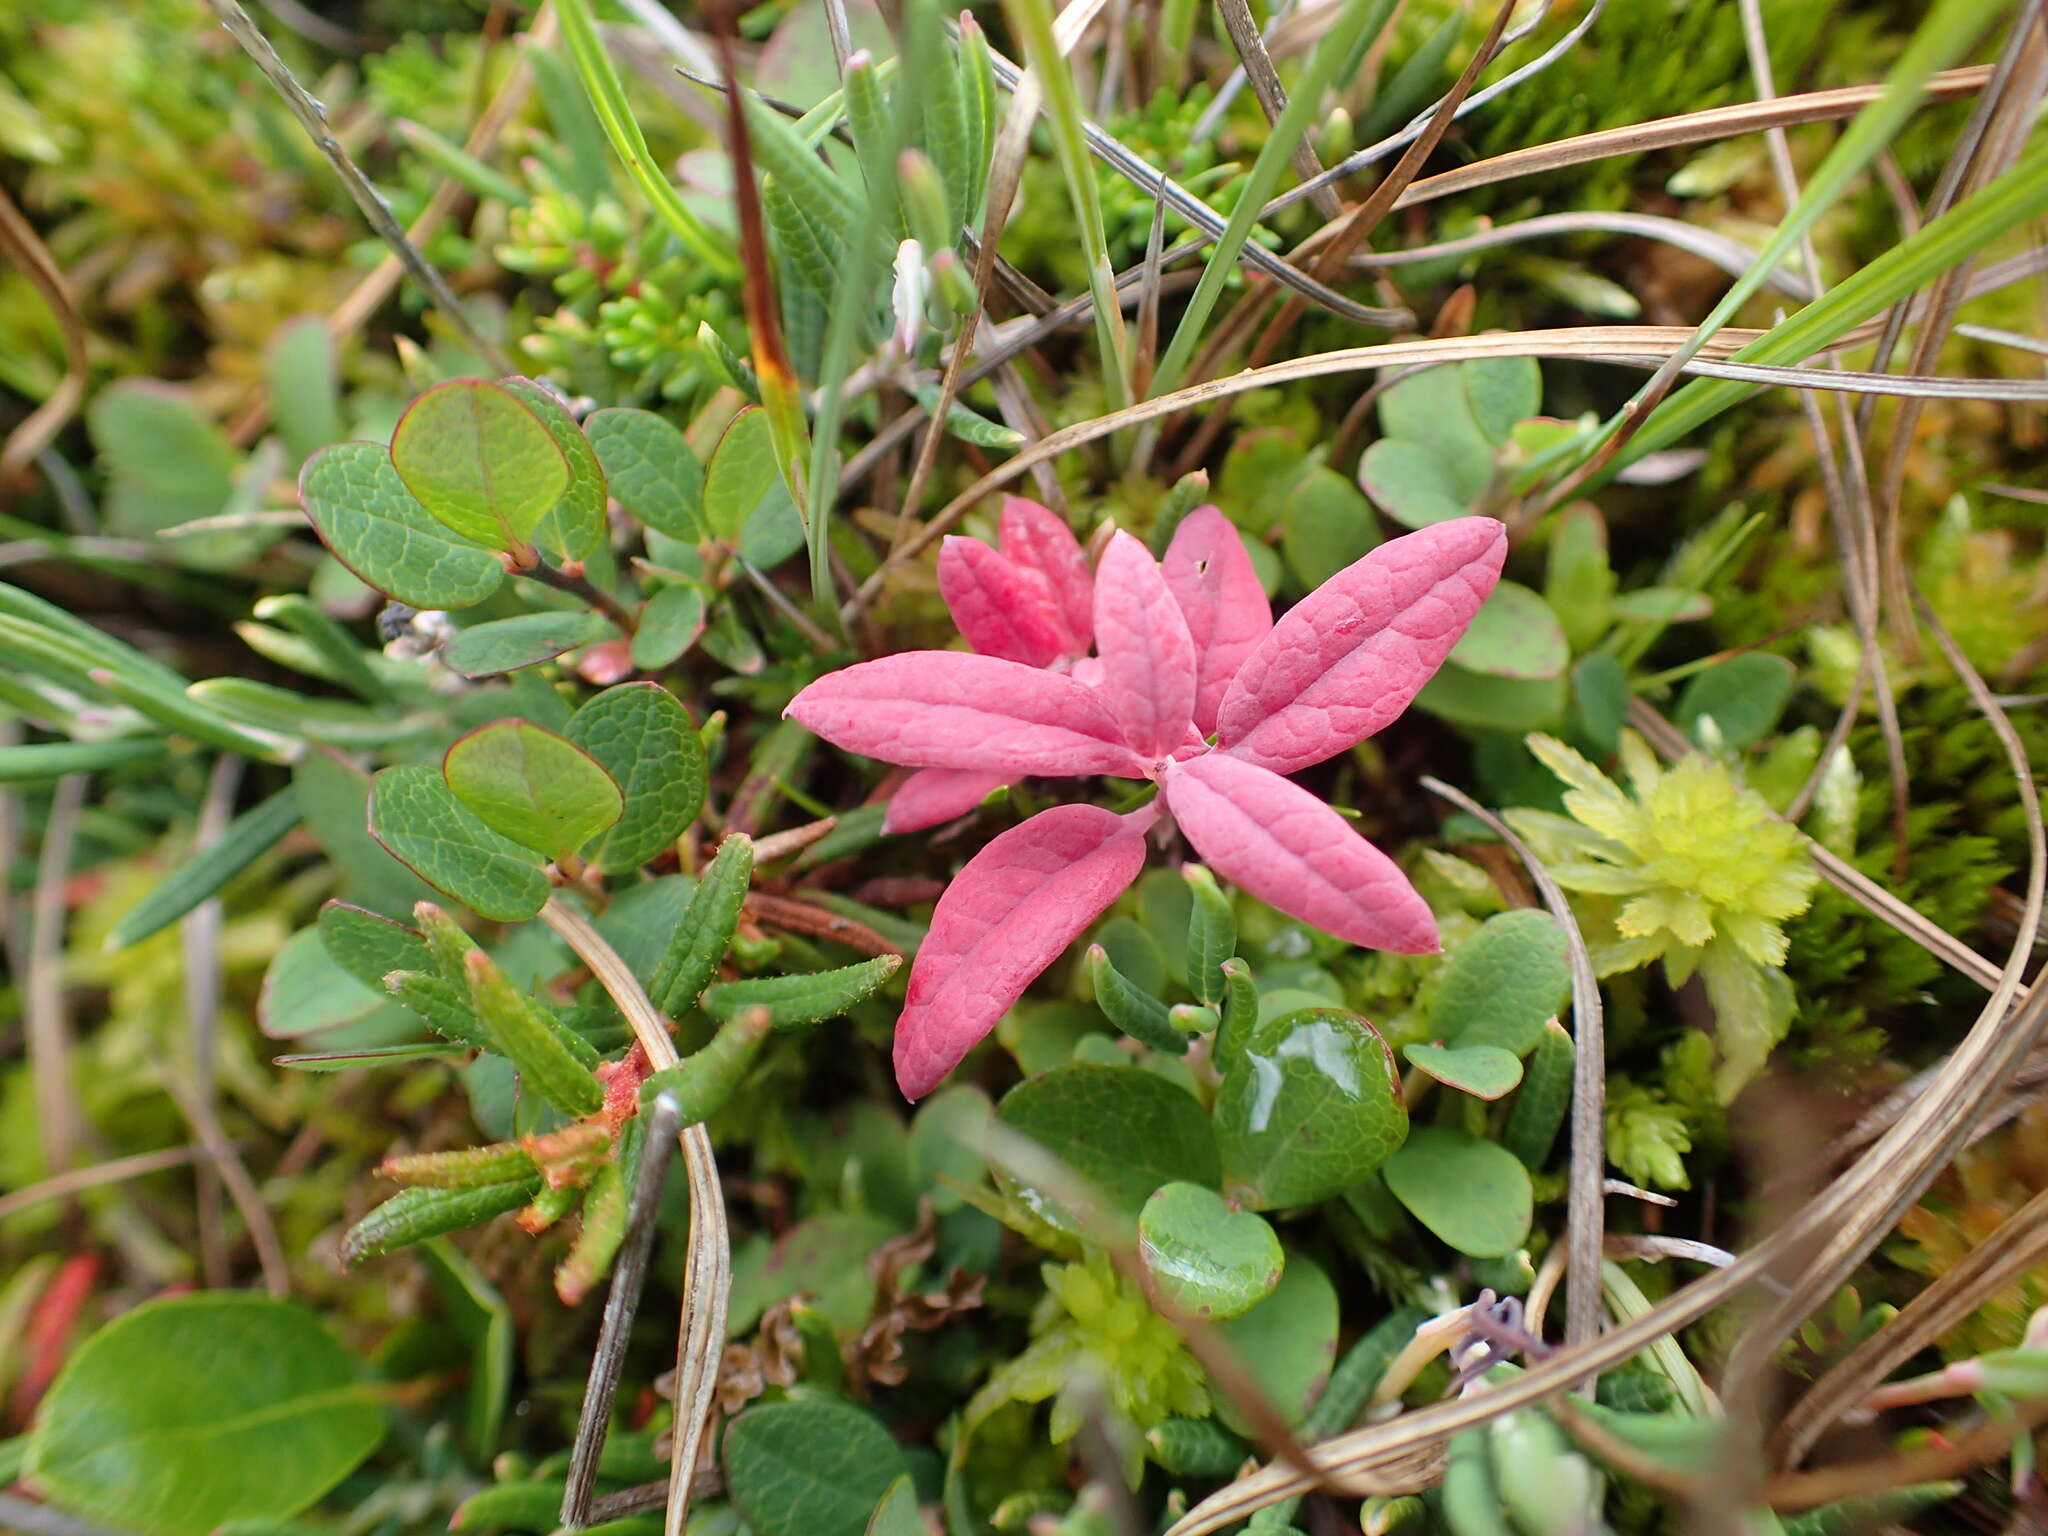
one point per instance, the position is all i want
(1192, 685)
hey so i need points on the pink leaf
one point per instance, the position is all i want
(1283, 845)
(1147, 655)
(947, 709)
(1003, 608)
(1347, 658)
(1005, 918)
(1038, 538)
(932, 795)
(1211, 577)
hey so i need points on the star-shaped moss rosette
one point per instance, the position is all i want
(1194, 688)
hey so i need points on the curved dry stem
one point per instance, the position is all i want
(707, 1271)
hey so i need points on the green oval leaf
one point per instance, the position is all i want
(810, 1468)
(1515, 635)
(417, 818)
(306, 991)
(506, 645)
(897, 1514)
(480, 461)
(1329, 525)
(1409, 483)
(741, 474)
(1473, 1194)
(1484, 1071)
(670, 622)
(575, 527)
(1501, 392)
(1311, 1105)
(144, 1417)
(1504, 983)
(1124, 1130)
(1288, 1343)
(643, 737)
(1204, 1257)
(1493, 703)
(1744, 696)
(365, 515)
(535, 787)
(650, 469)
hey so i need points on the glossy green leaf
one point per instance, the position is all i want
(1288, 1342)
(651, 470)
(814, 1467)
(1503, 983)
(247, 838)
(1123, 1130)
(1311, 1105)
(742, 472)
(137, 1428)
(670, 623)
(1328, 526)
(805, 998)
(366, 516)
(480, 461)
(414, 1215)
(537, 788)
(1514, 635)
(574, 528)
(1484, 1071)
(415, 815)
(1744, 696)
(1473, 1194)
(1204, 1257)
(506, 645)
(646, 741)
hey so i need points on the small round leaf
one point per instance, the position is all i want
(1514, 635)
(1473, 1194)
(1484, 1071)
(1124, 1130)
(365, 515)
(640, 735)
(419, 821)
(478, 459)
(1204, 1257)
(533, 786)
(813, 1467)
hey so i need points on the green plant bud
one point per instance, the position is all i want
(700, 940)
(414, 1215)
(730, 369)
(702, 1084)
(604, 1228)
(469, 1168)
(1193, 1018)
(1212, 935)
(533, 1506)
(526, 1037)
(569, 1156)
(1471, 1503)
(549, 1206)
(451, 946)
(1196, 1448)
(924, 201)
(953, 285)
(1383, 1516)
(1188, 493)
(1131, 1008)
(1547, 1488)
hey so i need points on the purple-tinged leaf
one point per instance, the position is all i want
(1006, 917)
(1147, 655)
(1283, 845)
(933, 795)
(947, 709)
(1348, 658)
(1038, 538)
(1002, 608)
(1211, 577)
